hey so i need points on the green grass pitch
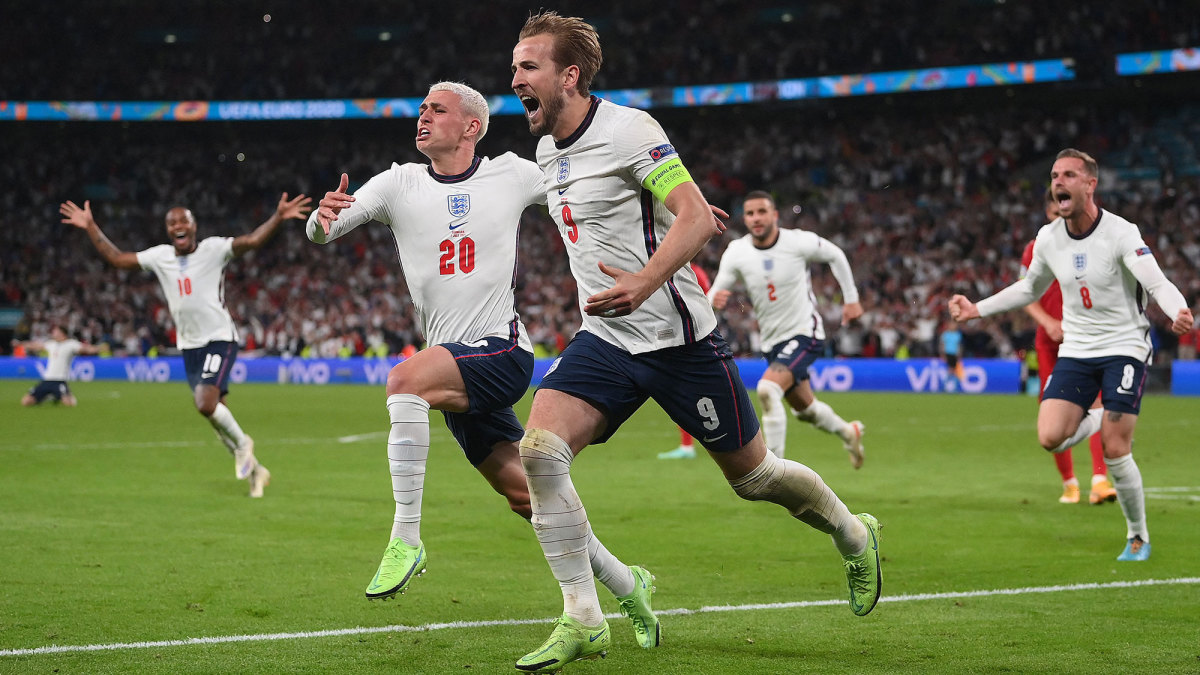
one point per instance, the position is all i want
(120, 522)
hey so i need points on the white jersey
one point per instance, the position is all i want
(457, 240)
(595, 194)
(58, 359)
(194, 286)
(1103, 301)
(778, 282)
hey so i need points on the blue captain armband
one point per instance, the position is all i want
(664, 179)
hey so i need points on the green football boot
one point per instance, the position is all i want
(570, 641)
(862, 571)
(400, 564)
(636, 606)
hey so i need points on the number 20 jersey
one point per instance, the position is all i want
(457, 241)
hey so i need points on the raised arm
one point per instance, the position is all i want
(82, 218)
(286, 209)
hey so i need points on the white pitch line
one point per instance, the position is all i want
(361, 630)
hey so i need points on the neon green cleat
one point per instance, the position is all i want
(863, 572)
(636, 606)
(400, 564)
(570, 641)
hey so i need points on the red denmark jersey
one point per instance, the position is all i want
(702, 277)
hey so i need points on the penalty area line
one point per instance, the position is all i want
(361, 630)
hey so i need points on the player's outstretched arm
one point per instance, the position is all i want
(962, 310)
(286, 209)
(327, 212)
(82, 218)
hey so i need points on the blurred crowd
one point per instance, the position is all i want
(929, 194)
(925, 203)
(231, 50)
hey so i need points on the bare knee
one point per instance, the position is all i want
(1049, 440)
(398, 381)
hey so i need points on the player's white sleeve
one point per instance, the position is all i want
(1029, 288)
(726, 276)
(1146, 270)
(372, 201)
(835, 257)
(533, 180)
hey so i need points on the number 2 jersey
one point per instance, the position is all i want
(194, 286)
(595, 194)
(457, 241)
(779, 284)
(1104, 275)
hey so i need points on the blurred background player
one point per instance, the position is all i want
(1102, 265)
(950, 346)
(60, 352)
(1047, 312)
(192, 276)
(772, 264)
(462, 211)
(687, 448)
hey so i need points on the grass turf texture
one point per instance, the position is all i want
(120, 522)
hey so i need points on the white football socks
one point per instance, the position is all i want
(1088, 426)
(408, 449)
(774, 416)
(561, 523)
(1127, 479)
(821, 416)
(227, 427)
(801, 491)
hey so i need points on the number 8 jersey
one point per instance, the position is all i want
(1104, 274)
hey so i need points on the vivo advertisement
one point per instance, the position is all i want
(984, 376)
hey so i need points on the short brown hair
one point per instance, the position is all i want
(1089, 164)
(576, 43)
(759, 194)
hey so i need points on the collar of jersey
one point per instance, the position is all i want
(583, 126)
(1089, 230)
(457, 178)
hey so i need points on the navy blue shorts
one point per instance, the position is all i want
(796, 354)
(55, 389)
(1120, 381)
(697, 385)
(210, 364)
(496, 372)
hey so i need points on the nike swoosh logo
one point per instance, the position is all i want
(1078, 277)
(714, 439)
(1122, 390)
(597, 636)
(455, 227)
(563, 190)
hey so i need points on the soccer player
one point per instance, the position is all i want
(687, 445)
(455, 222)
(1102, 266)
(192, 276)
(772, 264)
(60, 352)
(1047, 312)
(631, 218)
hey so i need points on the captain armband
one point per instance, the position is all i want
(664, 179)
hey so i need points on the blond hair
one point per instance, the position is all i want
(473, 103)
